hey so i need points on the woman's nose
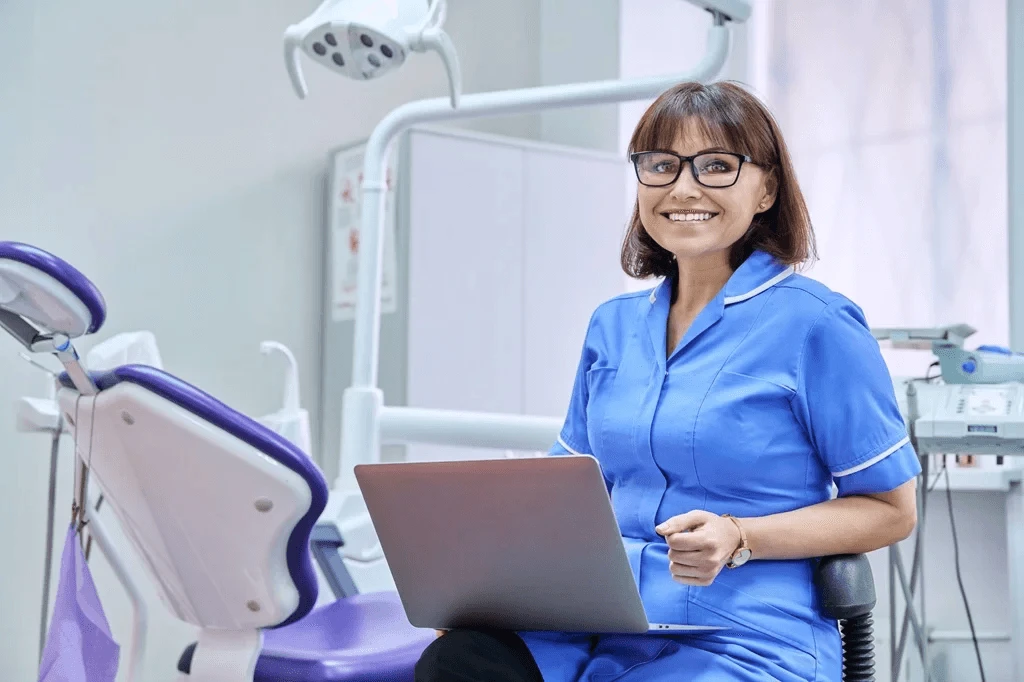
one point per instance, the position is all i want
(686, 185)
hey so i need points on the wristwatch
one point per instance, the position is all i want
(742, 553)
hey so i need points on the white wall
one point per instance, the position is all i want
(579, 42)
(159, 147)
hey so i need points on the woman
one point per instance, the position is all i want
(722, 405)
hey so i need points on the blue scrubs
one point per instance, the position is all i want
(777, 391)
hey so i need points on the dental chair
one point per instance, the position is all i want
(218, 508)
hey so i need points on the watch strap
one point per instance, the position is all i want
(743, 539)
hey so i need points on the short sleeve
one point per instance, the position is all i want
(846, 402)
(573, 439)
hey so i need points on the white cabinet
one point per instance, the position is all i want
(504, 248)
(573, 227)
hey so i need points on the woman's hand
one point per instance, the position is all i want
(700, 543)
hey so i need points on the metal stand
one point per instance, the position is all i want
(914, 614)
(897, 571)
(898, 574)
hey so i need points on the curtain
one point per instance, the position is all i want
(895, 113)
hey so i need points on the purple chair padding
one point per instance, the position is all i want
(276, 447)
(362, 638)
(64, 273)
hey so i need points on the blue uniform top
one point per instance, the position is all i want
(777, 391)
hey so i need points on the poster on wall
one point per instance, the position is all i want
(346, 217)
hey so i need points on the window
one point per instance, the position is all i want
(895, 113)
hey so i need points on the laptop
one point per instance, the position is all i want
(516, 544)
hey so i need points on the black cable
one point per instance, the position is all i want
(959, 579)
(935, 481)
(927, 374)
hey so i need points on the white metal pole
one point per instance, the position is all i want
(1015, 196)
(362, 402)
(1015, 166)
(140, 618)
(468, 429)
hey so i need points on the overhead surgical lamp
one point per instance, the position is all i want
(366, 39)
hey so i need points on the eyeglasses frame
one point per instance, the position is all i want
(688, 160)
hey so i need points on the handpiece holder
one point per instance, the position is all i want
(984, 365)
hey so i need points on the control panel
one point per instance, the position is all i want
(981, 419)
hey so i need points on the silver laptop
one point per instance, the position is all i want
(517, 544)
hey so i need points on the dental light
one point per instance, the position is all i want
(366, 39)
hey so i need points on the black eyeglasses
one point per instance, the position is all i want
(710, 169)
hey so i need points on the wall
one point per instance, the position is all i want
(579, 42)
(159, 147)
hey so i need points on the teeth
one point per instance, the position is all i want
(689, 217)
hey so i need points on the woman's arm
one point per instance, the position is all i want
(700, 543)
(846, 525)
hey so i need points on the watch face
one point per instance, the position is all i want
(740, 557)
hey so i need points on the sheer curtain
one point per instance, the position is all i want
(895, 115)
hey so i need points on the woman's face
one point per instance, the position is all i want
(697, 223)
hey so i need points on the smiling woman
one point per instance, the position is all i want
(729, 140)
(723, 405)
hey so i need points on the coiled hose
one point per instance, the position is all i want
(858, 649)
(846, 589)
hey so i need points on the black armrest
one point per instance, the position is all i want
(845, 586)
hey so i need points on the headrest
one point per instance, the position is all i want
(48, 291)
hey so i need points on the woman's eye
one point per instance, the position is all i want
(663, 167)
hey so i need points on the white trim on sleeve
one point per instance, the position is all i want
(874, 460)
(561, 441)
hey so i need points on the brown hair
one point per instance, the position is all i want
(737, 120)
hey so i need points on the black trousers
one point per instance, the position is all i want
(477, 656)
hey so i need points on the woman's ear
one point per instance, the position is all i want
(769, 193)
